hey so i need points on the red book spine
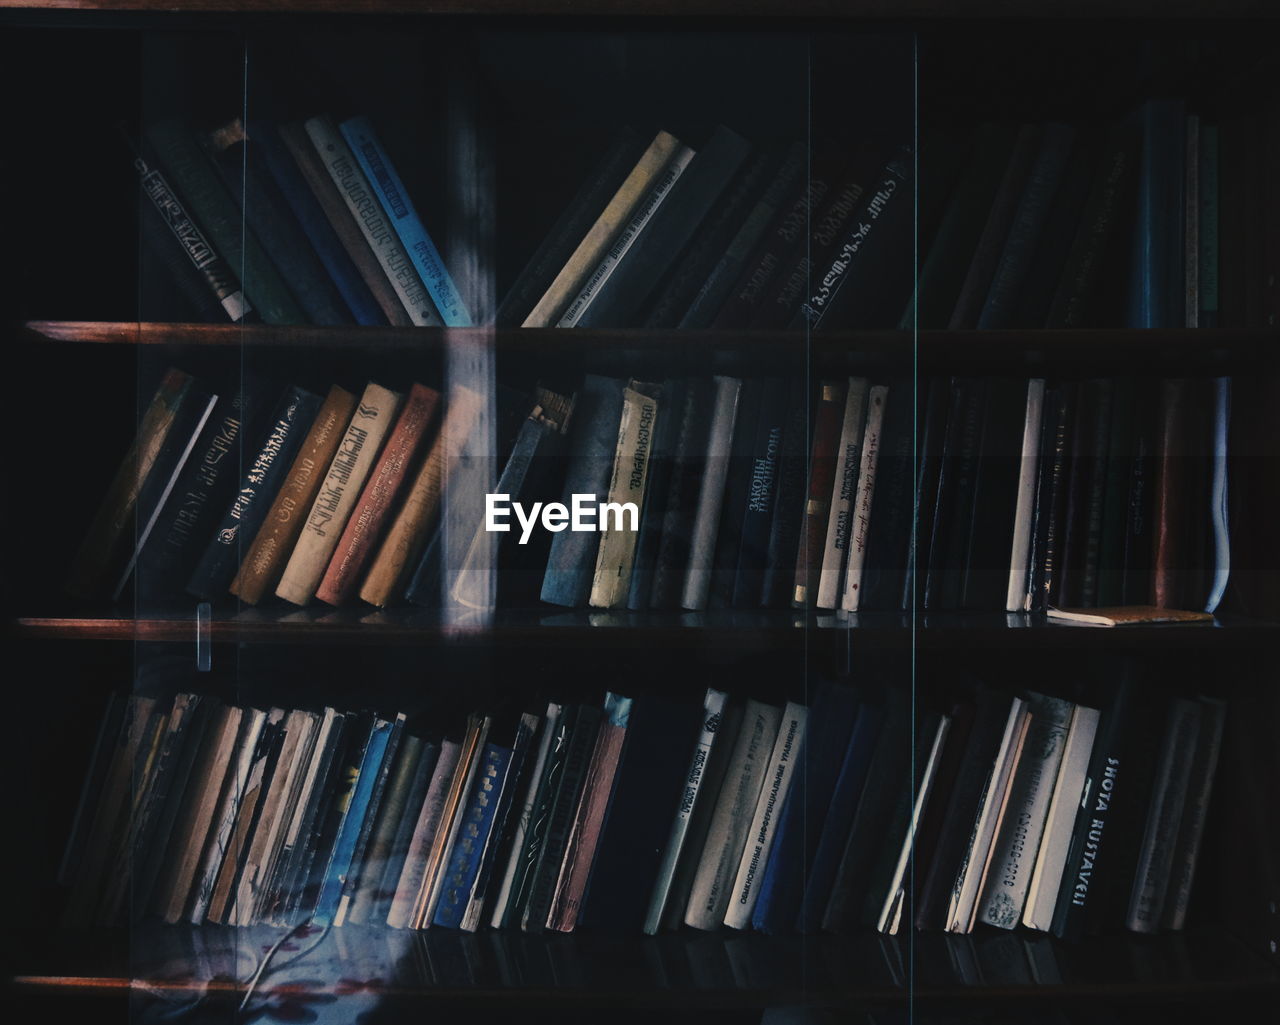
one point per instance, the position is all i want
(822, 473)
(364, 528)
(1169, 515)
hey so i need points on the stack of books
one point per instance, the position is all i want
(980, 494)
(650, 813)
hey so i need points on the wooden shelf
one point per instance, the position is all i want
(742, 632)
(1011, 351)
(673, 970)
(877, 10)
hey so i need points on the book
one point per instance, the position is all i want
(1171, 487)
(273, 543)
(761, 479)
(737, 486)
(952, 519)
(786, 521)
(348, 470)
(567, 284)
(1127, 615)
(379, 233)
(267, 215)
(381, 175)
(183, 162)
(267, 142)
(888, 537)
(284, 437)
(641, 405)
(679, 216)
(558, 244)
(688, 463)
(706, 521)
(931, 425)
(713, 883)
(423, 776)
(1156, 286)
(661, 467)
(1068, 788)
(860, 512)
(1218, 505)
(409, 530)
(821, 480)
(413, 874)
(592, 448)
(1208, 157)
(713, 708)
(1195, 811)
(373, 508)
(579, 311)
(1018, 595)
(314, 172)
(840, 506)
(588, 821)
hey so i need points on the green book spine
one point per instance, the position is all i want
(217, 213)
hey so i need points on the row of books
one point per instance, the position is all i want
(649, 814)
(742, 493)
(1023, 227)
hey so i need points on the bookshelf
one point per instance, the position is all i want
(106, 338)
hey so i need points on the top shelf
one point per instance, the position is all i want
(887, 10)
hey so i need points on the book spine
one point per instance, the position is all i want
(727, 834)
(1016, 600)
(822, 472)
(343, 222)
(360, 872)
(788, 507)
(268, 216)
(1195, 813)
(860, 511)
(1164, 817)
(207, 199)
(737, 488)
(1208, 157)
(1052, 500)
(408, 533)
(676, 414)
(593, 444)
(713, 708)
(329, 249)
(395, 201)
(761, 495)
(1028, 224)
(394, 813)
(595, 244)
(702, 545)
(381, 237)
(678, 514)
(780, 774)
(616, 555)
(1170, 493)
(200, 253)
(621, 245)
(274, 540)
(364, 527)
(843, 491)
(284, 437)
(588, 823)
(1156, 292)
(477, 820)
(1191, 223)
(337, 495)
(399, 916)
(1099, 438)
(719, 285)
(570, 229)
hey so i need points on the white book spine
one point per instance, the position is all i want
(627, 237)
(891, 912)
(706, 522)
(861, 521)
(225, 817)
(529, 797)
(356, 192)
(616, 554)
(1051, 859)
(782, 767)
(1009, 875)
(400, 914)
(1018, 597)
(712, 713)
(721, 854)
(840, 514)
(995, 795)
(338, 494)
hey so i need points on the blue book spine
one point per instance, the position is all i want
(286, 431)
(298, 195)
(344, 846)
(839, 820)
(593, 441)
(1156, 298)
(464, 861)
(399, 207)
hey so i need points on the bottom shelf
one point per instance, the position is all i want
(368, 965)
